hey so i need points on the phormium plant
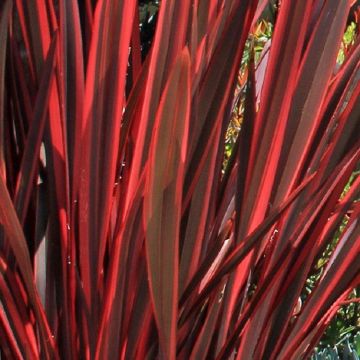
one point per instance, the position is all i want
(122, 236)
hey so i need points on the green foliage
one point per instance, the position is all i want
(346, 323)
(254, 46)
(344, 349)
(148, 13)
(348, 41)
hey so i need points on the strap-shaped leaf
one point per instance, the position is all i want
(4, 20)
(30, 158)
(163, 196)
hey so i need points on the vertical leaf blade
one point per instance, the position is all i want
(163, 197)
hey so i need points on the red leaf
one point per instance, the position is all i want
(163, 196)
(4, 21)
(30, 157)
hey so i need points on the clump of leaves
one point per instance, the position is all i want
(121, 234)
(342, 350)
(345, 324)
